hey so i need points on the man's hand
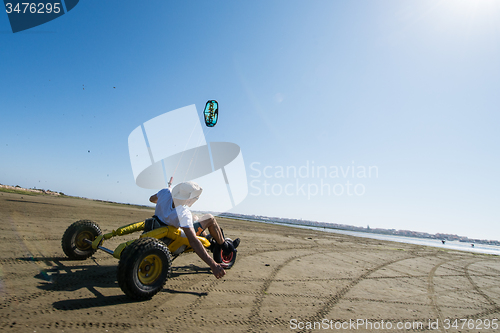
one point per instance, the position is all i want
(218, 271)
(195, 243)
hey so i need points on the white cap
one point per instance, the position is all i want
(186, 190)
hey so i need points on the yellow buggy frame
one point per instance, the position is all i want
(144, 264)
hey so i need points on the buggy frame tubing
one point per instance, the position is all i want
(88, 241)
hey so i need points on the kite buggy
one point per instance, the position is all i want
(145, 263)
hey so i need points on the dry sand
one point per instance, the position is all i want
(283, 278)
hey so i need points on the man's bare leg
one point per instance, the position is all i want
(209, 221)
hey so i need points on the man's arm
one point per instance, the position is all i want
(202, 253)
(153, 198)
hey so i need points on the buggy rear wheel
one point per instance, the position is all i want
(73, 241)
(144, 267)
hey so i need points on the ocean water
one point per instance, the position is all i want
(450, 245)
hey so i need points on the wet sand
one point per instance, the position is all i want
(285, 280)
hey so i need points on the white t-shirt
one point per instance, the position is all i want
(179, 216)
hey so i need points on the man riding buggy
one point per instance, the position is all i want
(172, 208)
(145, 263)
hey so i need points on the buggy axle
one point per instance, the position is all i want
(88, 241)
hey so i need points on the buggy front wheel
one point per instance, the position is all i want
(226, 259)
(144, 267)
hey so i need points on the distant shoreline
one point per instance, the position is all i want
(377, 231)
(35, 191)
(293, 222)
(452, 245)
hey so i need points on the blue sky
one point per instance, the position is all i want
(410, 87)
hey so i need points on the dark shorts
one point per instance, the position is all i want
(153, 223)
(198, 229)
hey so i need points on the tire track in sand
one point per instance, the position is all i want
(431, 293)
(333, 300)
(494, 305)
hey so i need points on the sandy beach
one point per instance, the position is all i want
(285, 280)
